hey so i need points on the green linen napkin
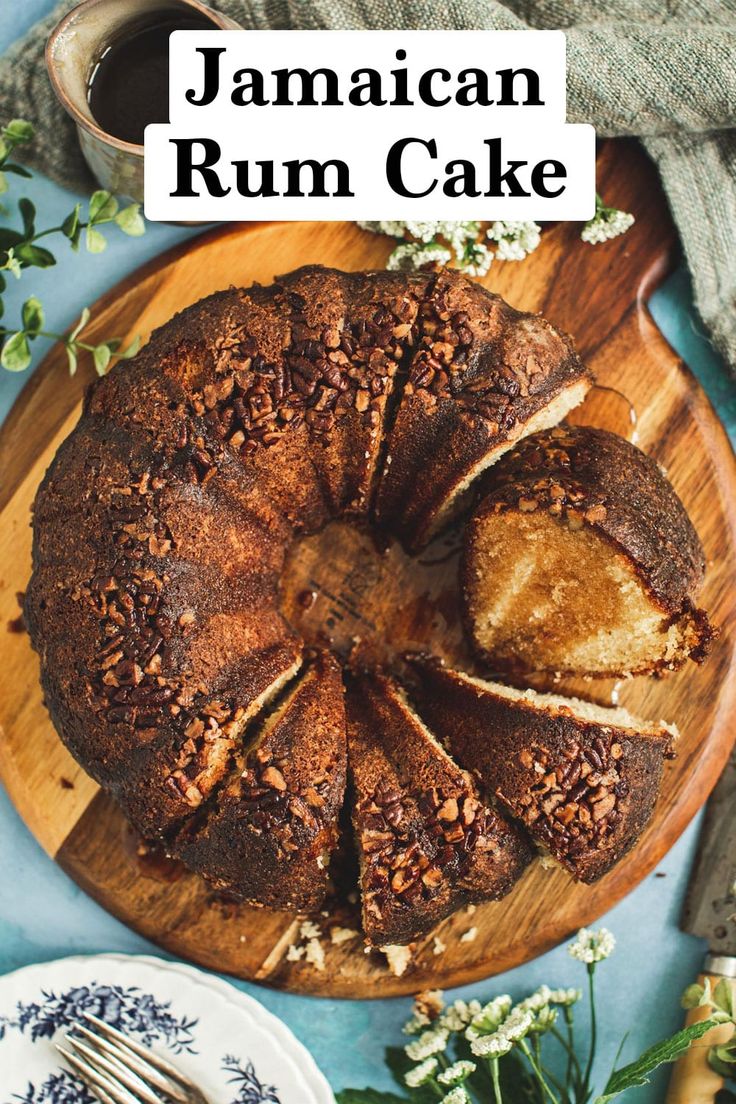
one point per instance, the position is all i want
(663, 70)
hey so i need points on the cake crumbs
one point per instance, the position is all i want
(339, 935)
(309, 947)
(398, 958)
(469, 936)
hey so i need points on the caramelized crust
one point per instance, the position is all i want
(427, 842)
(582, 779)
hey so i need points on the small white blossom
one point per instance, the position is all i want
(565, 996)
(544, 1020)
(515, 239)
(476, 259)
(456, 1096)
(459, 1014)
(489, 1017)
(491, 1046)
(537, 1000)
(499, 1042)
(429, 1043)
(606, 224)
(421, 1074)
(592, 946)
(414, 255)
(457, 1073)
(517, 1025)
(392, 229)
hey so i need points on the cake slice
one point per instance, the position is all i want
(349, 335)
(427, 842)
(583, 779)
(268, 836)
(581, 559)
(483, 376)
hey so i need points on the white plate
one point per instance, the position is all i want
(231, 1047)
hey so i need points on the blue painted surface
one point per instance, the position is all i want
(43, 915)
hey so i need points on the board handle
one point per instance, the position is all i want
(693, 1081)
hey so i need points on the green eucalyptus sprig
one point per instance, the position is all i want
(524, 1053)
(20, 250)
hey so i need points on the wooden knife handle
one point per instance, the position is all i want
(693, 1081)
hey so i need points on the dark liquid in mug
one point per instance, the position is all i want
(129, 85)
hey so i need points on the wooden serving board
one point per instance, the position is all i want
(598, 294)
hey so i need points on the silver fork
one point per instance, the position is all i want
(120, 1071)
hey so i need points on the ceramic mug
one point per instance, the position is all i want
(74, 47)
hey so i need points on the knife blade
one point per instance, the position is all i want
(710, 903)
(710, 913)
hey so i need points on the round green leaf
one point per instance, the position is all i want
(35, 255)
(70, 227)
(28, 214)
(102, 206)
(101, 356)
(83, 320)
(131, 221)
(94, 240)
(18, 130)
(32, 315)
(16, 353)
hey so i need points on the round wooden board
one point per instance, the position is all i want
(598, 295)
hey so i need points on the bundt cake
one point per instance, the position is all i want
(580, 559)
(427, 841)
(583, 779)
(160, 535)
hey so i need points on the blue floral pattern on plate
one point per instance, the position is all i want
(128, 1010)
(263, 1063)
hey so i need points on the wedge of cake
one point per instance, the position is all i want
(268, 836)
(582, 778)
(483, 376)
(581, 559)
(427, 841)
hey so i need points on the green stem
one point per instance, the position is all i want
(495, 1077)
(546, 1090)
(550, 1076)
(573, 1073)
(593, 1033)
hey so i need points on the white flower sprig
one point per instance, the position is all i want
(473, 1053)
(607, 223)
(516, 240)
(429, 1042)
(457, 1073)
(471, 248)
(592, 946)
(422, 1073)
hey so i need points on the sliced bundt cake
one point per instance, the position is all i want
(268, 835)
(583, 779)
(483, 376)
(427, 842)
(581, 559)
(160, 536)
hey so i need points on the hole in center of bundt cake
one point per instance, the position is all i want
(346, 588)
